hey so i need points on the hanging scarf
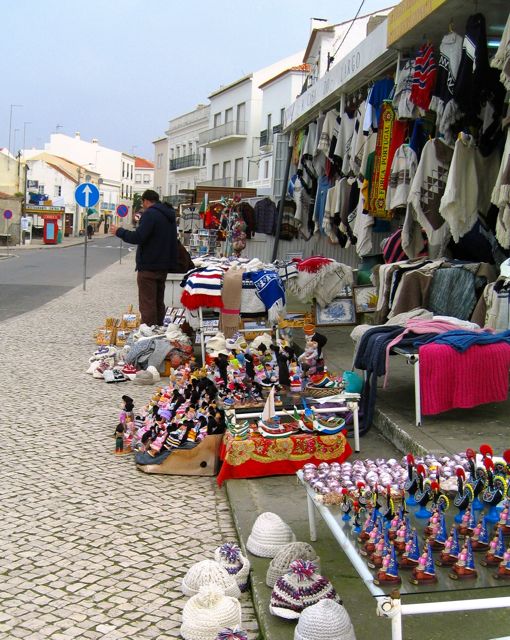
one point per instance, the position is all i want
(270, 290)
(231, 296)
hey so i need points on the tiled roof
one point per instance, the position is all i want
(142, 163)
(300, 68)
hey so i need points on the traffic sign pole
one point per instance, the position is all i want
(86, 195)
(122, 212)
(85, 225)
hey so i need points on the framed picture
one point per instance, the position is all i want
(338, 312)
(365, 299)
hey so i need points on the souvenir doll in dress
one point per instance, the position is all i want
(119, 438)
(504, 567)
(388, 574)
(480, 538)
(496, 551)
(465, 566)
(504, 519)
(439, 536)
(425, 570)
(464, 496)
(450, 553)
(411, 554)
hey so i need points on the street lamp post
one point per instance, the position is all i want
(13, 106)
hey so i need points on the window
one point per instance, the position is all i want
(58, 191)
(229, 114)
(282, 115)
(159, 162)
(203, 157)
(131, 172)
(123, 170)
(217, 119)
(266, 169)
(190, 148)
(146, 178)
(138, 178)
(268, 124)
(215, 171)
(238, 172)
(121, 190)
(172, 152)
(159, 190)
(241, 112)
(226, 169)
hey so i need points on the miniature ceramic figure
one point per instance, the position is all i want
(451, 550)
(425, 571)
(389, 571)
(464, 568)
(496, 551)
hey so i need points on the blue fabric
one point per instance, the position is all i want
(269, 287)
(380, 91)
(320, 202)
(461, 339)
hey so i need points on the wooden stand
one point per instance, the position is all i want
(202, 460)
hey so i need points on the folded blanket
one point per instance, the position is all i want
(270, 290)
(449, 379)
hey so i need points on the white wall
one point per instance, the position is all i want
(50, 178)
(143, 179)
(161, 166)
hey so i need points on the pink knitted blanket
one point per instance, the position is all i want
(450, 380)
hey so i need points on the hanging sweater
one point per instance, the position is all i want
(459, 204)
(343, 144)
(450, 53)
(403, 169)
(501, 60)
(329, 130)
(424, 77)
(501, 197)
(425, 196)
(358, 140)
(402, 103)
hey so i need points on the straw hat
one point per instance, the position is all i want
(280, 564)
(208, 612)
(326, 619)
(268, 535)
(229, 556)
(209, 572)
(299, 588)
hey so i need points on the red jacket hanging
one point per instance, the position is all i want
(424, 77)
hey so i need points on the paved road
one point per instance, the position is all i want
(91, 548)
(32, 277)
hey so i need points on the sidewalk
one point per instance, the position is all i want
(91, 548)
(69, 241)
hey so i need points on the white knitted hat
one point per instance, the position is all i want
(208, 612)
(280, 564)
(299, 588)
(326, 619)
(230, 557)
(268, 535)
(209, 572)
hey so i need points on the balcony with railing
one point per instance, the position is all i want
(186, 162)
(227, 132)
(266, 139)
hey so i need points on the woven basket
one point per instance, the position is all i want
(313, 392)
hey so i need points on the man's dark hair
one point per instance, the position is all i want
(150, 195)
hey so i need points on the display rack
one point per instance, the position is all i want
(390, 605)
(202, 242)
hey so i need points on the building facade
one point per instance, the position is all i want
(144, 175)
(186, 159)
(161, 166)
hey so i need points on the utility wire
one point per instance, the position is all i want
(347, 32)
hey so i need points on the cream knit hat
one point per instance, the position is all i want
(268, 535)
(299, 588)
(209, 572)
(230, 557)
(280, 564)
(326, 619)
(208, 612)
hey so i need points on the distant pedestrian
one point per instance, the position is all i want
(25, 224)
(90, 231)
(156, 255)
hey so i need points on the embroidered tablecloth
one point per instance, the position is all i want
(258, 456)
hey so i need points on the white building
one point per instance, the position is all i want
(115, 167)
(144, 175)
(11, 177)
(161, 165)
(56, 179)
(232, 139)
(278, 93)
(187, 161)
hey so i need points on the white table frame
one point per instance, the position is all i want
(414, 360)
(388, 606)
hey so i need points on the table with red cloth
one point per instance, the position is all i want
(257, 456)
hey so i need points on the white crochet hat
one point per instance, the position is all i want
(230, 557)
(209, 572)
(217, 343)
(208, 612)
(268, 535)
(326, 619)
(299, 588)
(280, 564)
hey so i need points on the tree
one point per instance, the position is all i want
(137, 202)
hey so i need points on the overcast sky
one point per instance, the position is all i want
(118, 70)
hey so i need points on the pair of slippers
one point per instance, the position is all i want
(149, 376)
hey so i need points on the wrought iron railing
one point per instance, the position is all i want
(232, 128)
(193, 160)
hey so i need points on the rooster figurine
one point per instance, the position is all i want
(494, 492)
(423, 494)
(477, 479)
(464, 495)
(411, 484)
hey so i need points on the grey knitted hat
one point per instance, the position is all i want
(280, 564)
(209, 572)
(268, 535)
(325, 619)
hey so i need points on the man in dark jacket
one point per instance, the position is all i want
(156, 237)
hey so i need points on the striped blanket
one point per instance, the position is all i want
(202, 288)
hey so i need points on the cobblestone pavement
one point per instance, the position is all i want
(90, 547)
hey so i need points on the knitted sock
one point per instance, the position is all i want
(161, 348)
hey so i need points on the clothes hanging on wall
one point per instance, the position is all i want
(424, 77)
(401, 175)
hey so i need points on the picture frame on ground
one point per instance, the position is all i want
(365, 298)
(338, 312)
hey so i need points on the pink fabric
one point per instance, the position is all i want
(419, 326)
(450, 380)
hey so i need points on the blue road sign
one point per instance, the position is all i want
(122, 210)
(7, 214)
(86, 194)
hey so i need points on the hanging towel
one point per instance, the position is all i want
(231, 297)
(270, 290)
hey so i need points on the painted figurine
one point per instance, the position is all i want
(425, 570)
(411, 554)
(496, 552)
(388, 574)
(480, 538)
(464, 568)
(450, 553)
